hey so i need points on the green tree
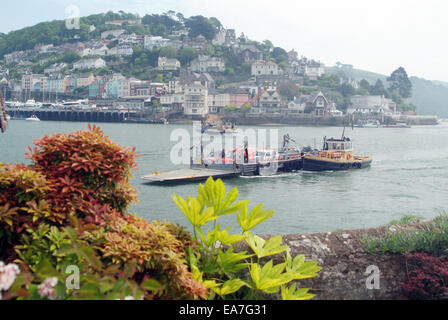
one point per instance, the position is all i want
(186, 55)
(362, 92)
(347, 90)
(289, 91)
(168, 52)
(279, 55)
(364, 84)
(378, 89)
(200, 25)
(399, 81)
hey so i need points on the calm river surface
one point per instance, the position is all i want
(409, 175)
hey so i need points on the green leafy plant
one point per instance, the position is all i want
(231, 273)
(431, 237)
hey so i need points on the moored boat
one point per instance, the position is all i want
(336, 155)
(32, 118)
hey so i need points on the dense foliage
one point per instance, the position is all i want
(69, 208)
(56, 33)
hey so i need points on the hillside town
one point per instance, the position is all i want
(223, 74)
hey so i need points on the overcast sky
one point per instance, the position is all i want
(378, 35)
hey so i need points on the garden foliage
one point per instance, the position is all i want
(69, 208)
(239, 274)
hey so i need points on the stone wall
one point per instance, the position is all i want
(344, 263)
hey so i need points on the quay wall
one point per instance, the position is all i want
(238, 118)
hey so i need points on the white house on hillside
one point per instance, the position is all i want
(89, 64)
(264, 68)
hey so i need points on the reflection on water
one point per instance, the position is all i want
(409, 175)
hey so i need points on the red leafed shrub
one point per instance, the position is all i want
(82, 180)
(154, 249)
(428, 277)
(88, 174)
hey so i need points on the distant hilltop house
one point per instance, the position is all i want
(371, 105)
(205, 78)
(55, 68)
(131, 22)
(151, 42)
(131, 39)
(264, 68)
(225, 37)
(113, 33)
(310, 68)
(94, 49)
(16, 56)
(89, 64)
(199, 43)
(293, 55)
(249, 53)
(121, 50)
(168, 64)
(207, 64)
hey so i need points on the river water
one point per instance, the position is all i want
(409, 175)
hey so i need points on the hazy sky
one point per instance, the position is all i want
(378, 35)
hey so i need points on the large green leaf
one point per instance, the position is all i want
(230, 261)
(229, 287)
(248, 221)
(292, 294)
(263, 248)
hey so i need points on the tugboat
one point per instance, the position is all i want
(336, 155)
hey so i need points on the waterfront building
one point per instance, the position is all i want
(84, 79)
(97, 89)
(217, 102)
(29, 81)
(70, 83)
(173, 101)
(196, 99)
(371, 105)
(267, 100)
(237, 96)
